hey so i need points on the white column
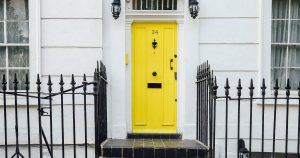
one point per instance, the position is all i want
(114, 58)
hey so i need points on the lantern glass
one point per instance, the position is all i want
(244, 155)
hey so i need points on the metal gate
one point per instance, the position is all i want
(55, 103)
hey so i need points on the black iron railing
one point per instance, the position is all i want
(207, 98)
(44, 101)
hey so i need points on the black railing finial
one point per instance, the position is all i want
(84, 83)
(15, 82)
(73, 83)
(4, 83)
(239, 88)
(27, 82)
(288, 87)
(49, 84)
(98, 69)
(299, 89)
(276, 88)
(61, 83)
(227, 87)
(251, 88)
(38, 82)
(263, 88)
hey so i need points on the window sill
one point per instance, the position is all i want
(280, 102)
(22, 101)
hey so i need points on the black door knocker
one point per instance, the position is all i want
(154, 44)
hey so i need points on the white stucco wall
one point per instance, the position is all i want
(231, 39)
(77, 33)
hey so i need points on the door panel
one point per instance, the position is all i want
(154, 47)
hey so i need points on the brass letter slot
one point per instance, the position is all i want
(154, 85)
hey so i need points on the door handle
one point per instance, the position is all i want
(171, 61)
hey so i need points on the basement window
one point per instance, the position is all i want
(154, 4)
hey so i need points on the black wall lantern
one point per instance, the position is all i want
(194, 8)
(243, 151)
(116, 8)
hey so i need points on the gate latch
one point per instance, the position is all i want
(43, 112)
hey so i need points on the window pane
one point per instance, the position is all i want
(280, 9)
(279, 31)
(17, 32)
(21, 76)
(18, 56)
(294, 78)
(279, 74)
(278, 56)
(1, 9)
(154, 4)
(295, 9)
(17, 9)
(1, 32)
(2, 72)
(2, 57)
(294, 32)
(294, 56)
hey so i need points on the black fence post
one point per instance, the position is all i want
(298, 135)
(239, 93)
(28, 115)
(84, 83)
(73, 83)
(288, 87)
(96, 93)
(38, 82)
(4, 83)
(263, 93)
(215, 90)
(61, 83)
(227, 87)
(276, 88)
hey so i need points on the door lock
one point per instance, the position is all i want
(154, 73)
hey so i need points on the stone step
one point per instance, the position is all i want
(153, 136)
(153, 148)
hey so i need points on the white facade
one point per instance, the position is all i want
(69, 36)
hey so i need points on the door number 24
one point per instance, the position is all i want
(154, 32)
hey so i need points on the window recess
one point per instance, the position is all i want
(154, 4)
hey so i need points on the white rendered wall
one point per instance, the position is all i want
(114, 58)
(230, 39)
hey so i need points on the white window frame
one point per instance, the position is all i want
(265, 54)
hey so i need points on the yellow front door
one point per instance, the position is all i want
(154, 60)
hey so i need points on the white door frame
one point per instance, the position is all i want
(143, 16)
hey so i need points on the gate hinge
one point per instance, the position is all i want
(175, 75)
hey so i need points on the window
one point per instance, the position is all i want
(285, 49)
(154, 4)
(14, 41)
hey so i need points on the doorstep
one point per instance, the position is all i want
(153, 148)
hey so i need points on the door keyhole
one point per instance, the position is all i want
(154, 73)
